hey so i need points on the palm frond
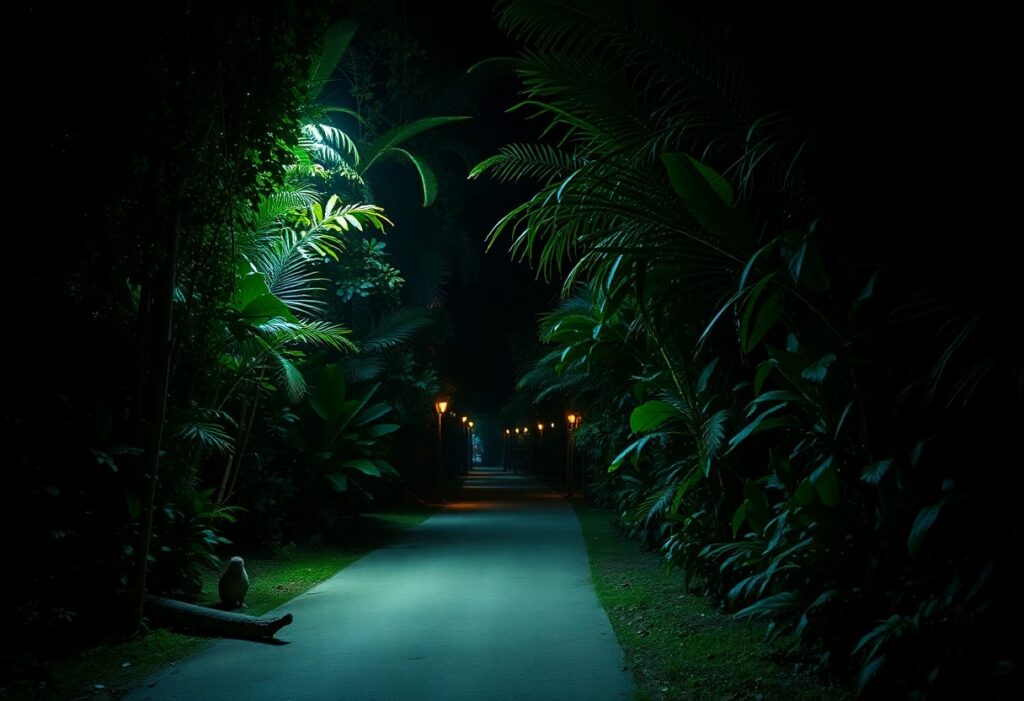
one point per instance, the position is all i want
(207, 434)
(289, 377)
(542, 373)
(540, 162)
(396, 328)
(362, 368)
(654, 506)
(281, 333)
(281, 202)
(289, 260)
(329, 145)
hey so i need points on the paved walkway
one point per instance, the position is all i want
(489, 599)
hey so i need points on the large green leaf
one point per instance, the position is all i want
(706, 194)
(650, 415)
(265, 307)
(251, 286)
(632, 450)
(572, 329)
(763, 422)
(386, 468)
(924, 522)
(428, 179)
(367, 467)
(400, 134)
(874, 472)
(817, 371)
(770, 606)
(378, 430)
(770, 312)
(372, 413)
(339, 481)
(255, 303)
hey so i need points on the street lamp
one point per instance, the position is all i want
(572, 420)
(505, 457)
(440, 405)
(465, 432)
(540, 449)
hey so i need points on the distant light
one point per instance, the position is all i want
(508, 432)
(517, 430)
(552, 424)
(471, 424)
(540, 427)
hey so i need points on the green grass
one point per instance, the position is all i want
(106, 671)
(676, 644)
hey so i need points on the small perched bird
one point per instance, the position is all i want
(234, 583)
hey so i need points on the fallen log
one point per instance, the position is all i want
(235, 625)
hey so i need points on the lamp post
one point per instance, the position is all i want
(515, 453)
(440, 405)
(572, 419)
(469, 441)
(526, 446)
(465, 433)
(540, 448)
(505, 438)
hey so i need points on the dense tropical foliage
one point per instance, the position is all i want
(787, 312)
(800, 393)
(239, 350)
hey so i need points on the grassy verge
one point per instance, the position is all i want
(677, 646)
(106, 671)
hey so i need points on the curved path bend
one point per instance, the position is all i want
(489, 599)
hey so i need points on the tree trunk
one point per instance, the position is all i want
(235, 625)
(157, 379)
(240, 452)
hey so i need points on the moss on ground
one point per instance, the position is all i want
(107, 671)
(677, 646)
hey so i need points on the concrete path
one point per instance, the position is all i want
(489, 599)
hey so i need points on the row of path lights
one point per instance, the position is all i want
(441, 406)
(572, 422)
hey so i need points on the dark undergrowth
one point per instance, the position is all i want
(107, 671)
(677, 646)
